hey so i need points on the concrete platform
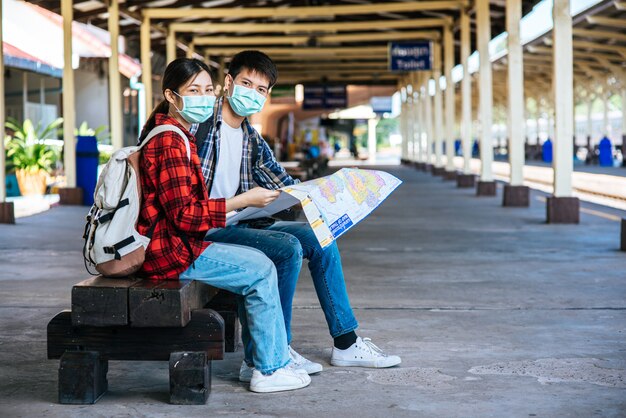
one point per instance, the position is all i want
(494, 312)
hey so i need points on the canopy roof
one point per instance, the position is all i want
(335, 40)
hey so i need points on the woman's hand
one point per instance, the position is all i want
(258, 197)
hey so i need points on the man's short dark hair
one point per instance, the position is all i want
(255, 61)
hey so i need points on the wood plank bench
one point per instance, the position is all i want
(187, 323)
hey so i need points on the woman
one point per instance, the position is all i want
(178, 212)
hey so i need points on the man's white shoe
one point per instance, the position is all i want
(245, 371)
(363, 353)
(286, 378)
(300, 362)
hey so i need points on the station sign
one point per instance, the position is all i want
(410, 56)
(381, 104)
(324, 97)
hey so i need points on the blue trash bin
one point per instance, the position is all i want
(606, 152)
(457, 147)
(546, 151)
(87, 159)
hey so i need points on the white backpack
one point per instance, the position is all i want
(112, 244)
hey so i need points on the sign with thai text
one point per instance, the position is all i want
(410, 56)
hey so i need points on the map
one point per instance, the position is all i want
(331, 204)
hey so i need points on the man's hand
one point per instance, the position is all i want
(258, 197)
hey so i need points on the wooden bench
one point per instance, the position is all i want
(187, 323)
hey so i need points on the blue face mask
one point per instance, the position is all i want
(245, 101)
(196, 109)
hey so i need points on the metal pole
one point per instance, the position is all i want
(516, 125)
(438, 106)
(115, 84)
(146, 64)
(3, 191)
(448, 46)
(563, 80)
(69, 105)
(483, 27)
(429, 123)
(466, 94)
(170, 46)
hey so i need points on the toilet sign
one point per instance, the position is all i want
(410, 56)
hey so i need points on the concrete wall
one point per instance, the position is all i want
(92, 97)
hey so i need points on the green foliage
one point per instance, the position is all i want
(104, 157)
(384, 129)
(100, 132)
(25, 149)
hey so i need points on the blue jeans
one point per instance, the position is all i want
(251, 275)
(285, 243)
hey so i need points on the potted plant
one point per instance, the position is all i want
(29, 156)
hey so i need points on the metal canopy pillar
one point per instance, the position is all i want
(562, 207)
(486, 185)
(409, 121)
(624, 118)
(403, 122)
(439, 170)
(425, 132)
(146, 64)
(448, 48)
(421, 109)
(590, 128)
(170, 45)
(419, 123)
(70, 195)
(115, 85)
(429, 124)
(515, 193)
(7, 215)
(466, 179)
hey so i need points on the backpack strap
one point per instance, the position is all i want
(203, 132)
(167, 128)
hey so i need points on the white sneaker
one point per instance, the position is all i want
(286, 378)
(300, 362)
(363, 353)
(245, 371)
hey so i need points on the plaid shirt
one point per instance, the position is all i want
(175, 197)
(264, 172)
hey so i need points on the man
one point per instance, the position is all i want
(235, 158)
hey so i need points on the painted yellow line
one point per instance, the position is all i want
(601, 214)
(590, 211)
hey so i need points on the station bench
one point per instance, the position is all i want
(187, 323)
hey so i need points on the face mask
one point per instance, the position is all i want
(196, 109)
(245, 101)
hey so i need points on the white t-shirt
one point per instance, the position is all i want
(227, 173)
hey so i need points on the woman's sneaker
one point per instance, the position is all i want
(245, 371)
(286, 378)
(363, 353)
(300, 362)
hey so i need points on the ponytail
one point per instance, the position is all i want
(162, 107)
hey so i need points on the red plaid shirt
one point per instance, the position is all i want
(175, 197)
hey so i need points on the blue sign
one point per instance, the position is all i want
(324, 97)
(410, 56)
(340, 226)
(381, 104)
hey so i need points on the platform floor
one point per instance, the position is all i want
(494, 313)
